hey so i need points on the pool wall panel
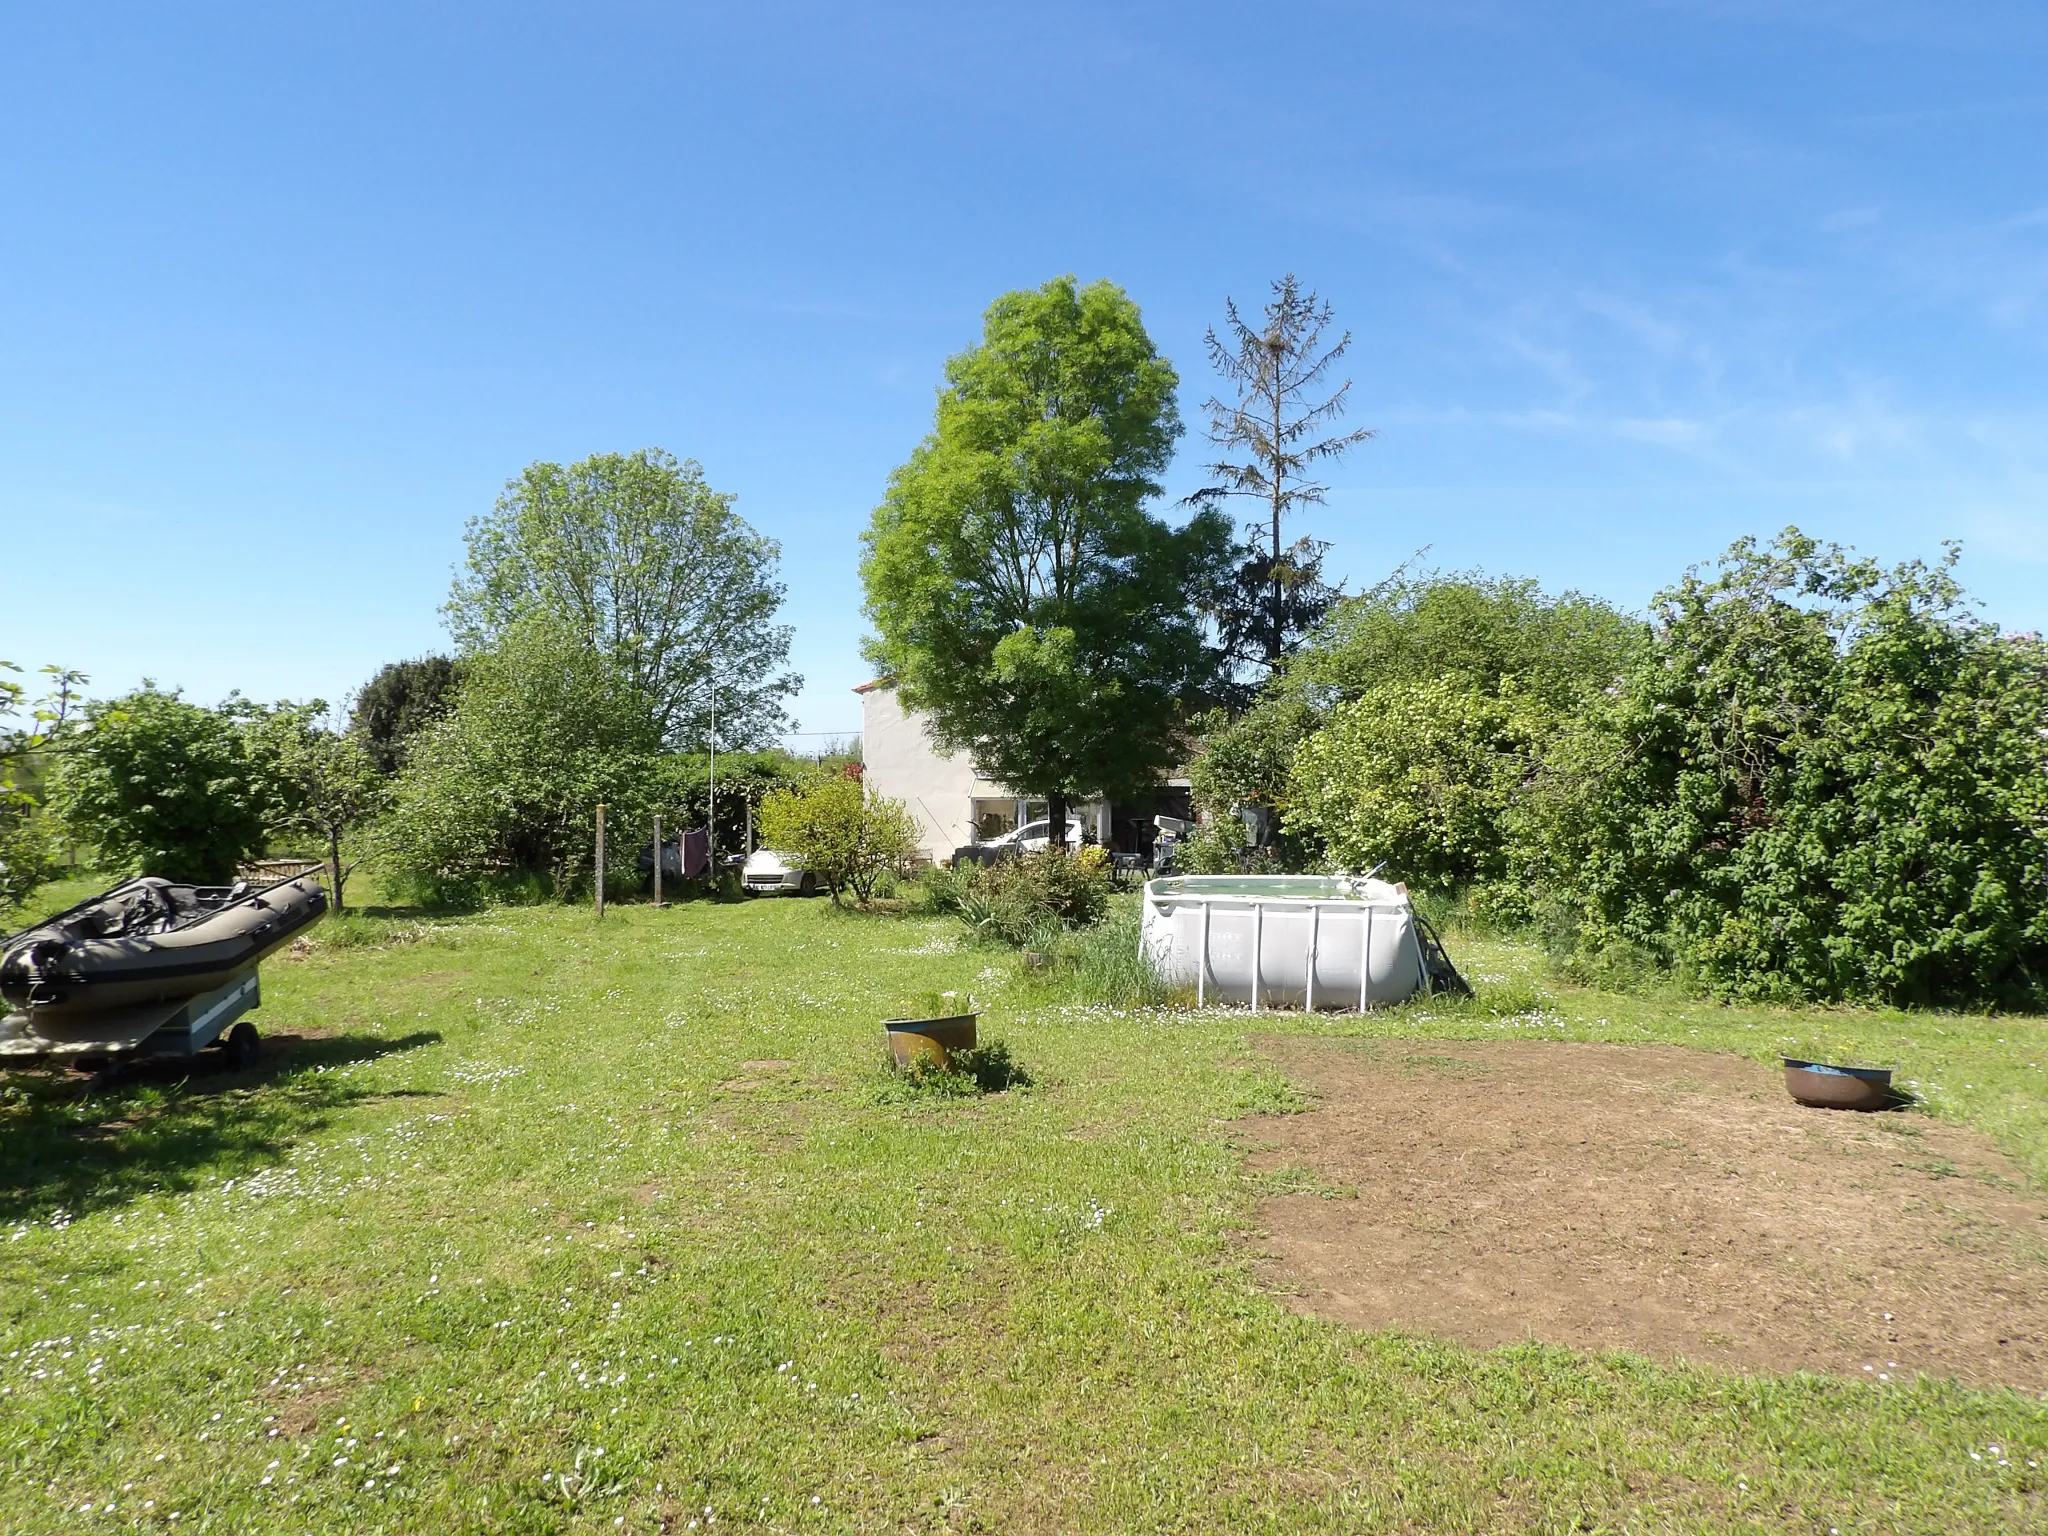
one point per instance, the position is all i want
(1182, 923)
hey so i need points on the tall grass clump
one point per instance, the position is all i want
(1025, 902)
(1103, 963)
(1109, 965)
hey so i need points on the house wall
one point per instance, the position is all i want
(940, 791)
(903, 764)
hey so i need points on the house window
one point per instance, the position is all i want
(994, 818)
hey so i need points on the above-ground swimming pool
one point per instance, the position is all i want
(1284, 941)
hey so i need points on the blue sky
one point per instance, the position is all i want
(287, 293)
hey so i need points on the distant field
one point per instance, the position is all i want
(532, 1224)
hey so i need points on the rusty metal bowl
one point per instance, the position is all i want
(929, 1042)
(1819, 1085)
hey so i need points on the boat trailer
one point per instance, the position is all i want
(182, 1026)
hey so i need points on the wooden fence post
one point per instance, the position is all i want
(600, 861)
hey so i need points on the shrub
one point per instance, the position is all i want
(987, 1068)
(1023, 900)
(1246, 761)
(1220, 846)
(1826, 780)
(938, 891)
(1423, 777)
(29, 735)
(501, 793)
(27, 854)
(835, 829)
(1402, 702)
(162, 787)
(1469, 630)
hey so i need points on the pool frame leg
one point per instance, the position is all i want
(1315, 927)
(1365, 962)
(1258, 945)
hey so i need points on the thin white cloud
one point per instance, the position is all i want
(1654, 330)
(1856, 431)
(1667, 431)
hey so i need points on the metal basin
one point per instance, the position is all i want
(929, 1041)
(1821, 1086)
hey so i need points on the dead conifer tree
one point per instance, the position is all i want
(1269, 439)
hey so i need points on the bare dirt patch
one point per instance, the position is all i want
(1649, 1198)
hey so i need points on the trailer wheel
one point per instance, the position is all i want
(242, 1047)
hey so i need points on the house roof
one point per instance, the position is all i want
(880, 682)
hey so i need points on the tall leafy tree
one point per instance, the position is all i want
(1021, 592)
(1270, 434)
(649, 566)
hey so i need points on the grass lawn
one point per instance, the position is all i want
(546, 1225)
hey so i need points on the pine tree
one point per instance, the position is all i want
(1268, 436)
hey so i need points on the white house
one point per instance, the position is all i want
(953, 805)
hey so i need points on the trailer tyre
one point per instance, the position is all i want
(242, 1047)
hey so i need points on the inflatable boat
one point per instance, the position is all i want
(145, 950)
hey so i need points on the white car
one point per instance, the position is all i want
(767, 872)
(1034, 835)
(1029, 838)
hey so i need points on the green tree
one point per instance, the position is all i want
(322, 782)
(744, 778)
(1493, 633)
(502, 792)
(1021, 593)
(30, 736)
(646, 564)
(162, 787)
(835, 829)
(1246, 761)
(400, 701)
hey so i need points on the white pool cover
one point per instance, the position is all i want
(1283, 941)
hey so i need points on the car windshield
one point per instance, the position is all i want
(1043, 830)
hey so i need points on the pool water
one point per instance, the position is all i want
(1280, 887)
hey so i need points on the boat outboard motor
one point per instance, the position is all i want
(26, 973)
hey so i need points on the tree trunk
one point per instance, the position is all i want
(1273, 638)
(1056, 821)
(334, 863)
